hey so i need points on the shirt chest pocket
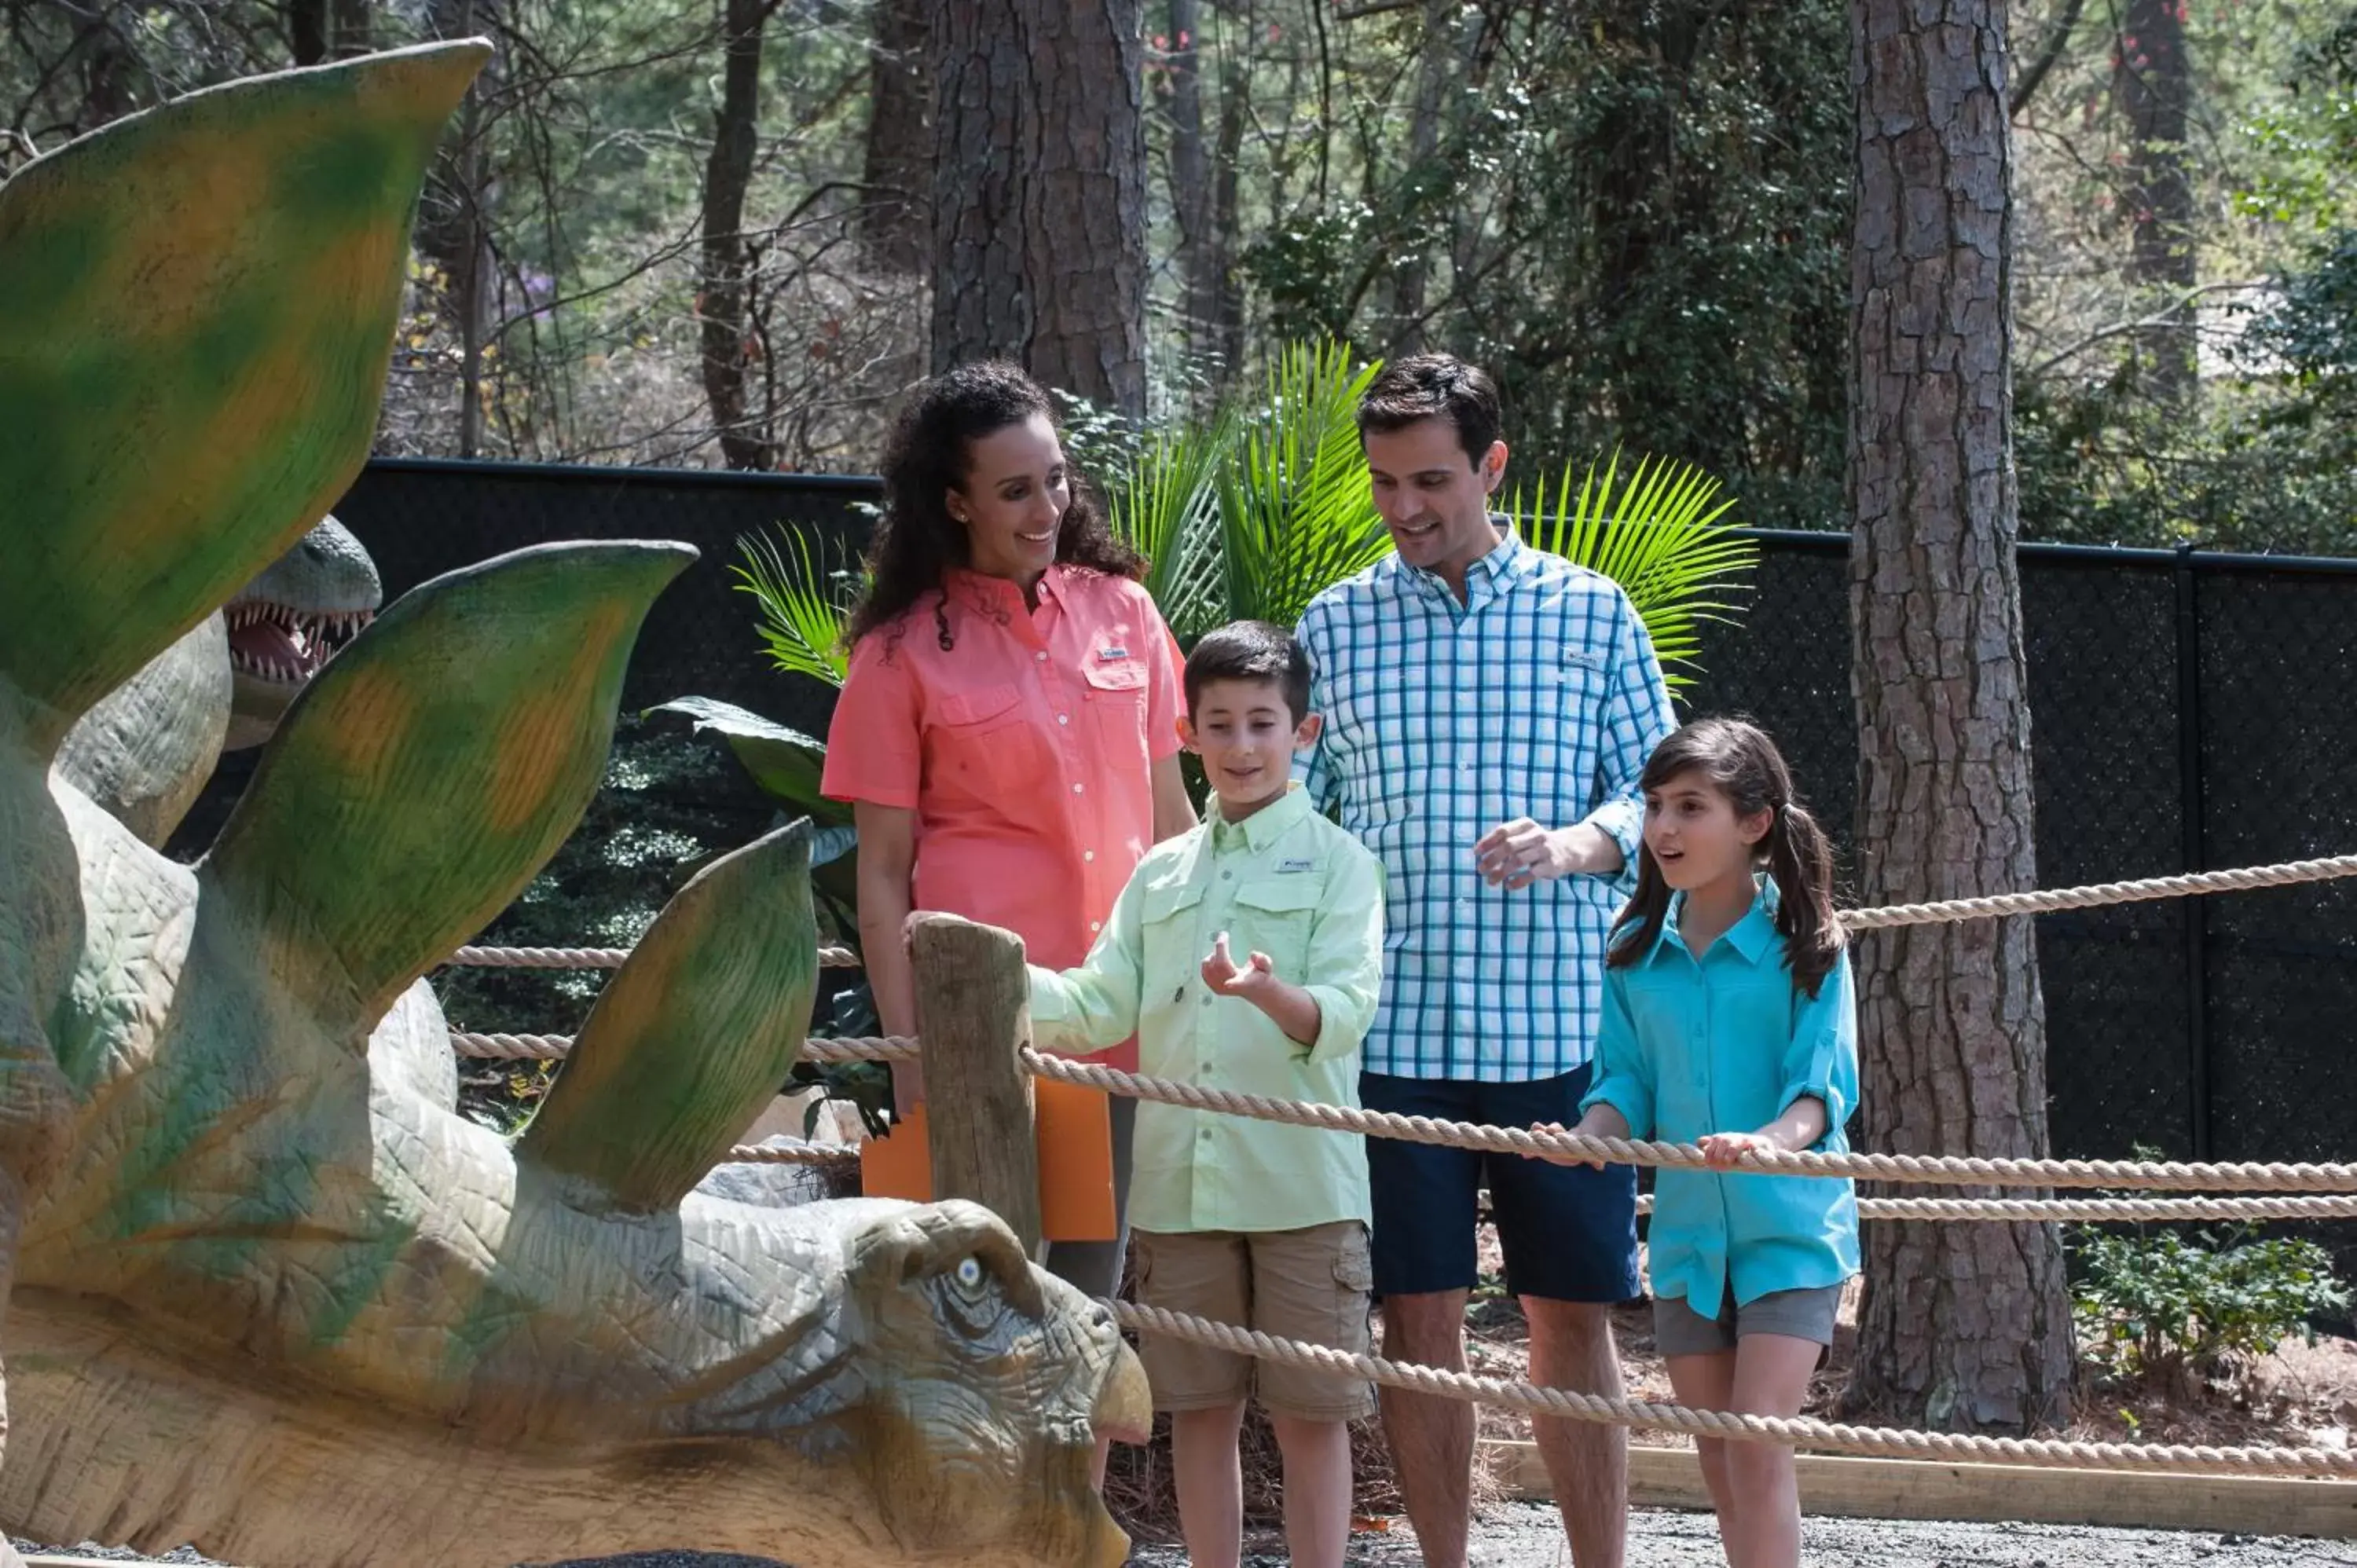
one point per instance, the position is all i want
(1114, 695)
(979, 739)
(1166, 915)
(1274, 916)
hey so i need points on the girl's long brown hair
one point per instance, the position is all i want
(1742, 764)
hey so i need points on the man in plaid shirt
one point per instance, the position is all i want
(1488, 710)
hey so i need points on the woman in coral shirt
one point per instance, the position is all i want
(1007, 733)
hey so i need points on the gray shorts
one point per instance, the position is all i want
(1679, 1330)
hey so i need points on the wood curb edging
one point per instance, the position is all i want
(1847, 1488)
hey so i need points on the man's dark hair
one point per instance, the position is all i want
(1252, 650)
(1433, 386)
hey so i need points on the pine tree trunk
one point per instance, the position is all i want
(721, 293)
(2154, 87)
(896, 227)
(1199, 251)
(1962, 1326)
(1040, 192)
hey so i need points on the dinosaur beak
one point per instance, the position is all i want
(1125, 1407)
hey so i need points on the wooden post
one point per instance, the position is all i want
(973, 1015)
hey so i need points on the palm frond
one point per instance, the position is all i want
(1295, 512)
(1166, 508)
(1661, 539)
(802, 609)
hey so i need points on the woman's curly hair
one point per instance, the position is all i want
(929, 455)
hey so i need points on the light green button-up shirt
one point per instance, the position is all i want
(1285, 882)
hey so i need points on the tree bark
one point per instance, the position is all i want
(1040, 193)
(721, 292)
(2153, 86)
(1411, 273)
(1227, 329)
(1192, 193)
(896, 225)
(1962, 1326)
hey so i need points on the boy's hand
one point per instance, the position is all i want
(1225, 979)
(1725, 1150)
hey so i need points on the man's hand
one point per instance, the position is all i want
(1515, 854)
(1222, 973)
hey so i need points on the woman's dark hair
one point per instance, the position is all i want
(930, 454)
(1742, 764)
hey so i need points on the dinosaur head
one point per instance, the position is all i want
(290, 620)
(272, 1295)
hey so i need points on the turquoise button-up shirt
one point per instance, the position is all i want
(1285, 882)
(1724, 1042)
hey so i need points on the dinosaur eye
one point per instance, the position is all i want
(969, 1275)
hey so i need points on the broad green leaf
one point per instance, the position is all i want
(197, 310)
(781, 759)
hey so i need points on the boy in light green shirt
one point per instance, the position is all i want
(1247, 1223)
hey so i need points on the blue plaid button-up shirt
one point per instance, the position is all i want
(1538, 697)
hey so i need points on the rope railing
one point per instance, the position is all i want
(1937, 1169)
(594, 958)
(1803, 1432)
(2236, 880)
(1947, 1170)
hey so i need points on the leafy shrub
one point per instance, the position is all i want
(2153, 1305)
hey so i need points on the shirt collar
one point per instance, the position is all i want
(1754, 935)
(1500, 568)
(1263, 827)
(997, 596)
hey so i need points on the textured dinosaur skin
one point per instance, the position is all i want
(268, 1294)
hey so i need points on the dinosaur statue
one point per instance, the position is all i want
(266, 1293)
(290, 620)
(147, 747)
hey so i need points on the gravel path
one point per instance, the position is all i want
(1523, 1535)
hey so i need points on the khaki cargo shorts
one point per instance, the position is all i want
(1308, 1284)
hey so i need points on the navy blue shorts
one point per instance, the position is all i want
(1569, 1232)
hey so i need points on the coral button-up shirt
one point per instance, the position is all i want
(1026, 749)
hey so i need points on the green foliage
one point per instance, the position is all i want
(803, 608)
(1661, 540)
(2154, 1306)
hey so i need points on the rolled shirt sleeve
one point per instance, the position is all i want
(1094, 1007)
(1316, 771)
(1345, 967)
(1637, 718)
(1821, 1059)
(875, 744)
(1624, 1073)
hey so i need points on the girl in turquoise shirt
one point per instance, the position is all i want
(1730, 1021)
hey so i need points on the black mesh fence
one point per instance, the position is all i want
(2189, 711)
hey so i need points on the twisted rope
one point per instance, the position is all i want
(1949, 1170)
(1935, 1169)
(594, 958)
(1799, 1431)
(556, 1047)
(2088, 1210)
(2095, 892)
(791, 1154)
